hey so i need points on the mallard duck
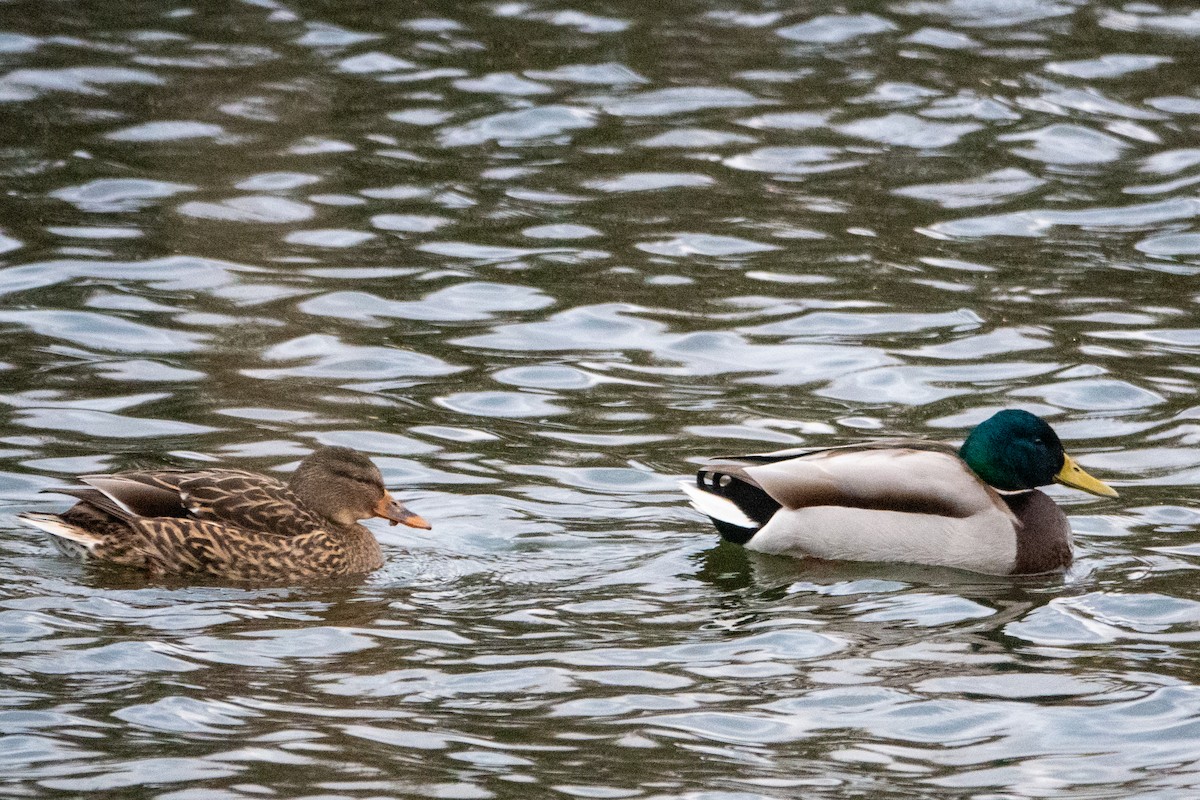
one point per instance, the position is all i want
(232, 524)
(975, 508)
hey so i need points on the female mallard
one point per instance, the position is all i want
(913, 501)
(228, 523)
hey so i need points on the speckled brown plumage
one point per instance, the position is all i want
(233, 524)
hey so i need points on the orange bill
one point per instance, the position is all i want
(394, 512)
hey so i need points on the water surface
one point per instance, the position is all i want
(539, 260)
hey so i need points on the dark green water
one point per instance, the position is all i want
(538, 260)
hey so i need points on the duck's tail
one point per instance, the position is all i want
(716, 507)
(732, 523)
(70, 538)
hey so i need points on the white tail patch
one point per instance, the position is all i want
(54, 526)
(716, 507)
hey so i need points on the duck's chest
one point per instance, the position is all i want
(360, 551)
(1043, 536)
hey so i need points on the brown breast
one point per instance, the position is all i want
(1044, 535)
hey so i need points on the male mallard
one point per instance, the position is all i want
(228, 523)
(976, 508)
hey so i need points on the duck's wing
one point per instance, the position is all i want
(901, 475)
(801, 452)
(234, 498)
(249, 501)
(124, 496)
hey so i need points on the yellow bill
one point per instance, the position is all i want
(1073, 475)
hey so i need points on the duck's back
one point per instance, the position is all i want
(231, 497)
(929, 479)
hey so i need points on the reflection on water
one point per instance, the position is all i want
(538, 261)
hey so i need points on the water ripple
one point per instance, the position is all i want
(537, 260)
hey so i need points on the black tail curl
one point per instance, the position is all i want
(748, 497)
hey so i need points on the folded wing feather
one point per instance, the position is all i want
(925, 481)
(239, 499)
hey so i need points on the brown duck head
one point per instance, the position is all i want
(343, 486)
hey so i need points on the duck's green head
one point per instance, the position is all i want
(1015, 450)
